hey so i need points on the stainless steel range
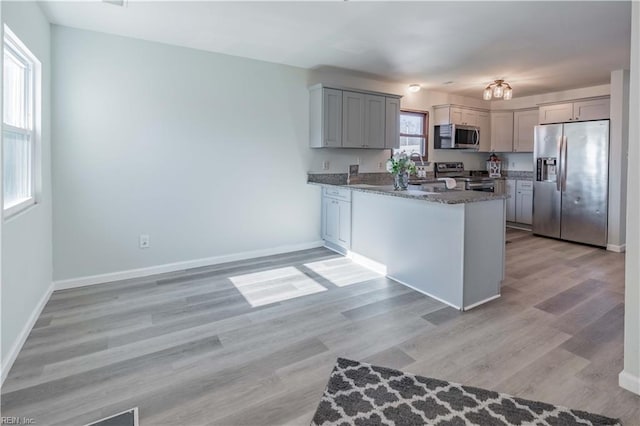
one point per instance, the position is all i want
(464, 178)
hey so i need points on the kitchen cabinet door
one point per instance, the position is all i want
(353, 110)
(374, 119)
(524, 123)
(455, 115)
(330, 219)
(484, 122)
(336, 222)
(469, 117)
(557, 113)
(511, 201)
(392, 123)
(524, 202)
(325, 118)
(344, 224)
(502, 131)
(441, 115)
(596, 109)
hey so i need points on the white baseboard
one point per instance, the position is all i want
(178, 266)
(8, 361)
(378, 267)
(615, 248)
(629, 382)
(336, 248)
(482, 302)
(424, 292)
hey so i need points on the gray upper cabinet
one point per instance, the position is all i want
(454, 114)
(325, 118)
(374, 121)
(341, 118)
(353, 114)
(596, 109)
(584, 110)
(392, 123)
(484, 123)
(502, 131)
(556, 113)
(524, 123)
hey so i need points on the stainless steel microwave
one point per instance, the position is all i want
(456, 136)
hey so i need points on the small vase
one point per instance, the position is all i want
(401, 181)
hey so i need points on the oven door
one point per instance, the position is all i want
(481, 186)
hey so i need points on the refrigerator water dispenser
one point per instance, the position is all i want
(546, 169)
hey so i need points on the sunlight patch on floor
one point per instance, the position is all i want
(342, 272)
(275, 285)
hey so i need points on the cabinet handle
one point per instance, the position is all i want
(577, 118)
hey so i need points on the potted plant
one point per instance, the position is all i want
(400, 166)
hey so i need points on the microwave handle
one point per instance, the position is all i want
(477, 142)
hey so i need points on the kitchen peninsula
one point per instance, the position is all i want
(448, 245)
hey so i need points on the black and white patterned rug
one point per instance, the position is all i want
(366, 395)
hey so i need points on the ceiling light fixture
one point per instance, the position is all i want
(413, 88)
(498, 89)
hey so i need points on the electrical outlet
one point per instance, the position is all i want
(358, 160)
(380, 165)
(325, 165)
(143, 241)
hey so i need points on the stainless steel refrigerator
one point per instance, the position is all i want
(570, 188)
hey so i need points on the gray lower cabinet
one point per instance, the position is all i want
(511, 202)
(524, 202)
(520, 202)
(336, 217)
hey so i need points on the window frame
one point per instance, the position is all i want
(425, 130)
(11, 42)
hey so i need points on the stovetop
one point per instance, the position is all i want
(456, 171)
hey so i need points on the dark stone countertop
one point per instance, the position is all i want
(448, 197)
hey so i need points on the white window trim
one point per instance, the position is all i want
(21, 206)
(424, 149)
(13, 42)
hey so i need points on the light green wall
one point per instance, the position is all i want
(26, 237)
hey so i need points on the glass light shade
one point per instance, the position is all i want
(413, 88)
(486, 95)
(508, 93)
(498, 91)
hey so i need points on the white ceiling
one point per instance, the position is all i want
(537, 46)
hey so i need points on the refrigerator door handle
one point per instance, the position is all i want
(559, 172)
(564, 163)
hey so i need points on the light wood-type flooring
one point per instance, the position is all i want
(253, 342)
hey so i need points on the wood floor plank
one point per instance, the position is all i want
(571, 297)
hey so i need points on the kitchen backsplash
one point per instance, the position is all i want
(386, 178)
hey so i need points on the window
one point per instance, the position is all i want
(413, 132)
(18, 124)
